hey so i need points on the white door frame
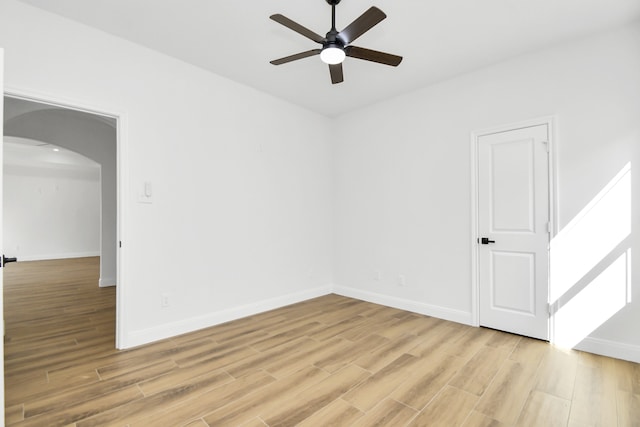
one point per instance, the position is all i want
(122, 191)
(475, 136)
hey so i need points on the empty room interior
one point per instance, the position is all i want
(217, 222)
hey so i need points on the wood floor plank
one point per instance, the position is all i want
(627, 376)
(256, 422)
(215, 355)
(71, 396)
(530, 351)
(377, 387)
(336, 413)
(476, 419)
(314, 399)
(336, 361)
(14, 414)
(449, 409)
(199, 423)
(544, 409)
(162, 383)
(387, 413)
(430, 376)
(306, 354)
(364, 329)
(210, 390)
(478, 373)
(329, 360)
(506, 395)
(258, 360)
(287, 336)
(267, 400)
(470, 342)
(200, 403)
(504, 341)
(628, 406)
(337, 328)
(387, 353)
(407, 325)
(557, 373)
(591, 404)
(437, 339)
(79, 411)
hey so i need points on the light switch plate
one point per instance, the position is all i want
(145, 192)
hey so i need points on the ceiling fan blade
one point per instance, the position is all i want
(296, 56)
(361, 25)
(336, 73)
(373, 55)
(280, 19)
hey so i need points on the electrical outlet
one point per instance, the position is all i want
(402, 280)
(164, 300)
(377, 275)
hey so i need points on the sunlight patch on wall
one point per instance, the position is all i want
(590, 264)
(594, 305)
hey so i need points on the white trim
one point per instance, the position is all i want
(549, 121)
(475, 280)
(107, 282)
(1, 238)
(121, 180)
(57, 101)
(457, 316)
(168, 330)
(608, 348)
(44, 257)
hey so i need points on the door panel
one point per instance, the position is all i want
(511, 183)
(512, 282)
(513, 212)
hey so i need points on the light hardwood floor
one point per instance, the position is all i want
(330, 361)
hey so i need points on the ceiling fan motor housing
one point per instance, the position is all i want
(332, 40)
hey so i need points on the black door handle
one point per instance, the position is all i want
(486, 241)
(6, 260)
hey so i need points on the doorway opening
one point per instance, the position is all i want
(30, 125)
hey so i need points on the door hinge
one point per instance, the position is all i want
(120, 243)
(546, 145)
(549, 227)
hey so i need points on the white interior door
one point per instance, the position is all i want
(513, 221)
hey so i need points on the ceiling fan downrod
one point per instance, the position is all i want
(333, 4)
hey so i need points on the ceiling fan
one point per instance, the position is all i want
(336, 45)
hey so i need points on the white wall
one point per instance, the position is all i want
(51, 211)
(402, 174)
(94, 138)
(241, 218)
(244, 191)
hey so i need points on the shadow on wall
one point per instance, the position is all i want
(91, 135)
(590, 271)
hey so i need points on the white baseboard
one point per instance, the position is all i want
(156, 333)
(608, 348)
(404, 304)
(106, 283)
(44, 257)
(592, 345)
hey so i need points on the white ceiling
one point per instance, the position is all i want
(438, 39)
(27, 152)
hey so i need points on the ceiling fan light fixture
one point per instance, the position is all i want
(332, 55)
